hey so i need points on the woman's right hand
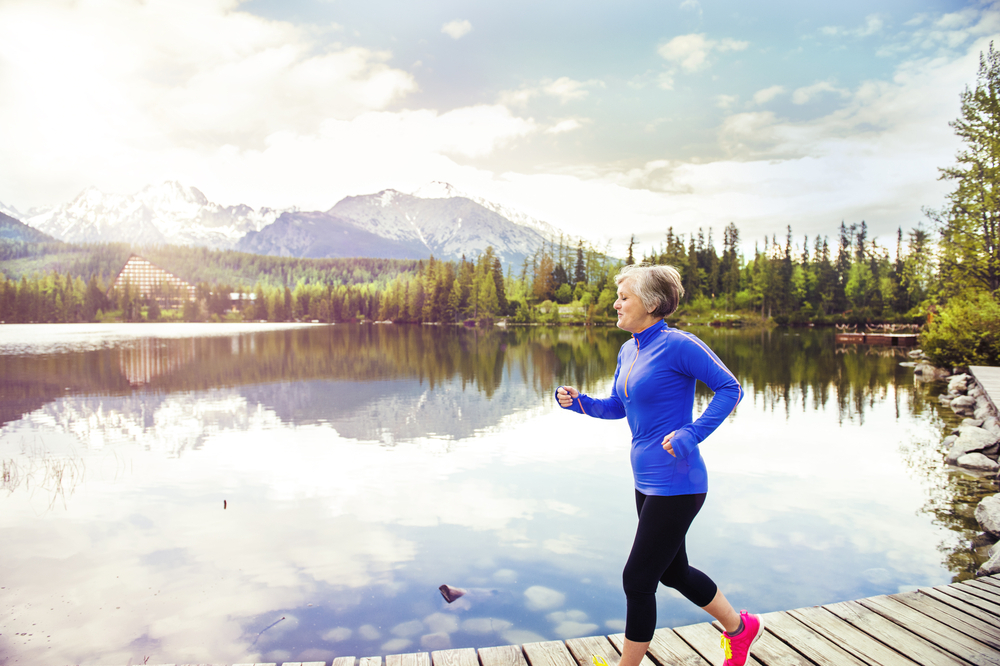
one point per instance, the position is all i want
(566, 395)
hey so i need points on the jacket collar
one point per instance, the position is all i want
(645, 337)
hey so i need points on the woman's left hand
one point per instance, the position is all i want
(667, 446)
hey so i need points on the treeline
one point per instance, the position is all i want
(194, 264)
(853, 279)
(808, 281)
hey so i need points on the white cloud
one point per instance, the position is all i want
(765, 95)
(543, 598)
(691, 52)
(568, 125)
(957, 20)
(692, 6)
(457, 29)
(875, 158)
(104, 90)
(873, 24)
(337, 634)
(563, 89)
(806, 94)
(566, 89)
(726, 101)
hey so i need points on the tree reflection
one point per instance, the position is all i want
(372, 379)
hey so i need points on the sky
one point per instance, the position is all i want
(604, 119)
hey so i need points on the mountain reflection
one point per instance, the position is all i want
(391, 382)
(381, 383)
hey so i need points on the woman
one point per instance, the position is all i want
(654, 389)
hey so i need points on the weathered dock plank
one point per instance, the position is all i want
(505, 655)
(984, 632)
(459, 657)
(548, 653)
(814, 646)
(705, 638)
(989, 581)
(989, 378)
(938, 633)
(991, 590)
(771, 651)
(968, 597)
(412, 659)
(666, 648)
(966, 608)
(850, 637)
(585, 649)
(370, 661)
(917, 648)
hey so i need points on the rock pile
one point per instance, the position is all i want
(988, 515)
(975, 444)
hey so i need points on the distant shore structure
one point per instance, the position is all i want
(151, 281)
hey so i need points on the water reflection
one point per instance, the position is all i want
(176, 497)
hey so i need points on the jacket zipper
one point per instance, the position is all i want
(629, 373)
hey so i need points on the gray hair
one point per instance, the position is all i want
(658, 287)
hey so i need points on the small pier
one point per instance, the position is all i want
(948, 625)
(879, 339)
(989, 378)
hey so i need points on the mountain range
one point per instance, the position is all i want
(434, 220)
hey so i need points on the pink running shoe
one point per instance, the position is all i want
(737, 647)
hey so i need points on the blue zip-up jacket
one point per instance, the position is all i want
(654, 389)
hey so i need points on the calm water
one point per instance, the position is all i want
(223, 493)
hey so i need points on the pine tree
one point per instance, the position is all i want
(970, 225)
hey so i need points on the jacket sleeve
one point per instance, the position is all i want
(701, 363)
(601, 408)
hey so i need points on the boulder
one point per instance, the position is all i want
(950, 440)
(969, 440)
(977, 461)
(983, 409)
(991, 424)
(915, 353)
(969, 423)
(988, 515)
(964, 405)
(928, 373)
(958, 383)
(975, 391)
(992, 566)
(945, 399)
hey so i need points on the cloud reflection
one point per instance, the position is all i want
(345, 520)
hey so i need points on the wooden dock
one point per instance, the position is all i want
(989, 378)
(949, 625)
(879, 339)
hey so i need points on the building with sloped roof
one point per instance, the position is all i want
(151, 281)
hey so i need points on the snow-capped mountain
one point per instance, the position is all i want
(445, 227)
(168, 213)
(10, 211)
(394, 225)
(437, 219)
(438, 190)
(12, 229)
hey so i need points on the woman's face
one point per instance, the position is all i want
(632, 315)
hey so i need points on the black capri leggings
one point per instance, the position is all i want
(658, 556)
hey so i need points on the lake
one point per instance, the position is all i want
(238, 493)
